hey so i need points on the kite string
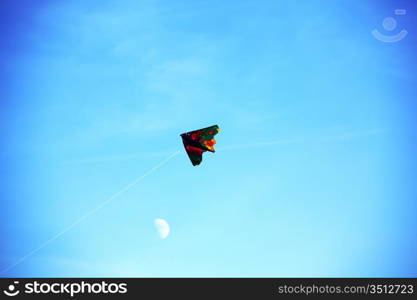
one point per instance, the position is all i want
(91, 212)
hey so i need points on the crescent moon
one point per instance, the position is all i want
(162, 227)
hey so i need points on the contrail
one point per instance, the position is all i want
(346, 135)
(262, 144)
(289, 141)
(91, 212)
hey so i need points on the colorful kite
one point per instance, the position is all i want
(199, 141)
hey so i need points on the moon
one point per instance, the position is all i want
(162, 227)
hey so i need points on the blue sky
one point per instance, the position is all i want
(313, 174)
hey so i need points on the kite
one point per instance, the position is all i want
(198, 141)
